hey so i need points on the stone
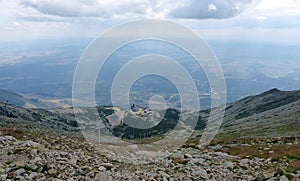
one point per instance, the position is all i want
(72, 161)
(222, 155)
(229, 165)
(103, 176)
(244, 161)
(32, 176)
(20, 171)
(34, 151)
(3, 177)
(283, 178)
(200, 173)
(279, 172)
(8, 138)
(217, 147)
(31, 144)
(108, 166)
(188, 156)
(177, 155)
(132, 147)
(87, 178)
(20, 164)
(260, 178)
(52, 172)
(101, 168)
(32, 166)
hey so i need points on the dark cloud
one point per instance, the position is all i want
(209, 9)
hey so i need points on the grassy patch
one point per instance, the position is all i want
(294, 166)
(289, 152)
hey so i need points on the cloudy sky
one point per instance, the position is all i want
(276, 21)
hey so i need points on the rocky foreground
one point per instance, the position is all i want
(49, 157)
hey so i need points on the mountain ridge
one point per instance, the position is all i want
(271, 113)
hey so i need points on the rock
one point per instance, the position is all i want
(31, 144)
(132, 147)
(72, 161)
(279, 172)
(7, 170)
(229, 165)
(283, 178)
(52, 172)
(20, 172)
(34, 151)
(260, 178)
(165, 177)
(177, 155)
(217, 147)
(32, 166)
(20, 164)
(87, 178)
(108, 166)
(200, 173)
(3, 177)
(222, 155)
(8, 138)
(103, 176)
(268, 175)
(188, 156)
(250, 177)
(32, 176)
(244, 163)
(91, 174)
(101, 168)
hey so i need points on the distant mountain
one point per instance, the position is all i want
(11, 97)
(47, 70)
(273, 113)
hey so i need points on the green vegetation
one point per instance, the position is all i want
(168, 123)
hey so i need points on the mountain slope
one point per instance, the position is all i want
(11, 97)
(273, 113)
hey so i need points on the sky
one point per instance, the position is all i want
(273, 21)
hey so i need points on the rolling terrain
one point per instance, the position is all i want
(270, 114)
(258, 140)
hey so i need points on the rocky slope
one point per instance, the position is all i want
(48, 157)
(258, 140)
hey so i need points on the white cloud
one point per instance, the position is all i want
(93, 8)
(193, 9)
(21, 19)
(217, 9)
(212, 8)
(274, 9)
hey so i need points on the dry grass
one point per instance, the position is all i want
(287, 152)
(17, 133)
(260, 147)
